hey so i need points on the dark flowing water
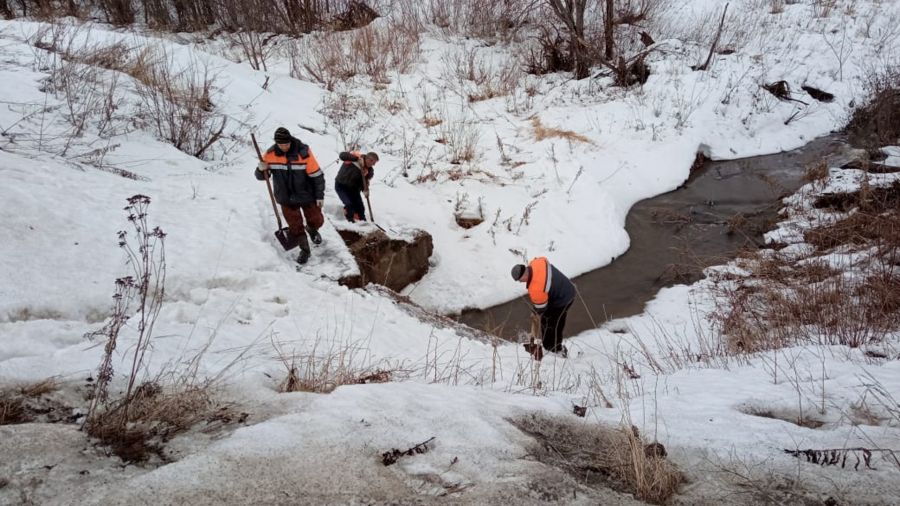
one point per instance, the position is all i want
(724, 207)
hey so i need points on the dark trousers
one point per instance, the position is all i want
(354, 209)
(553, 321)
(294, 218)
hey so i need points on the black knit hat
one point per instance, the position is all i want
(517, 271)
(282, 135)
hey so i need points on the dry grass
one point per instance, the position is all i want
(136, 431)
(542, 132)
(786, 301)
(17, 404)
(815, 171)
(602, 456)
(372, 51)
(322, 371)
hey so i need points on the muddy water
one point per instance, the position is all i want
(724, 206)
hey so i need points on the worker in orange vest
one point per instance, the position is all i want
(551, 294)
(299, 187)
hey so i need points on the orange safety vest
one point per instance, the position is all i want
(281, 162)
(539, 283)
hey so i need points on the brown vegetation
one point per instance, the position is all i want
(23, 404)
(878, 122)
(603, 456)
(786, 301)
(542, 132)
(135, 428)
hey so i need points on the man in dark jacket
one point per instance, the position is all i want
(353, 178)
(551, 294)
(299, 187)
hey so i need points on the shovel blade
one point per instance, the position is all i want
(287, 241)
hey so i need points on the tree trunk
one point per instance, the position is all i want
(608, 31)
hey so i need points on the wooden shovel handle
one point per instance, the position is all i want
(268, 183)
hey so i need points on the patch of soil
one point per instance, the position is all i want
(468, 222)
(394, 263)
(821, 96)
(783, 415)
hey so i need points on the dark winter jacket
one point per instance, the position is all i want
(350, 173)
(547, 287)
(296, 175)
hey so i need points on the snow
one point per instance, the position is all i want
(230, 285)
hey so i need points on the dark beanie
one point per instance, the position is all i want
(517, 271)
(282, 135)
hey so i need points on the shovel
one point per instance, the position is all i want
(366, 193)
(287, 241)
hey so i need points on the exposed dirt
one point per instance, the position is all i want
(394, 263)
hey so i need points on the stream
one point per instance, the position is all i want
(724, 207)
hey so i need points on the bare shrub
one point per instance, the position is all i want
(477, 77)
(374, 51)
(483, 19)
(460, 138)
(823, 8)
(549, 54)
(877, 123)
(144, 287)
(177, 103)
(149, 412)
(255, 47)
(603, 456)
(350, 114)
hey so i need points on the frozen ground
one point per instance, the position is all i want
(229, 284)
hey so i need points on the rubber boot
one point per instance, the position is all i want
(304, 250)
(315, 236)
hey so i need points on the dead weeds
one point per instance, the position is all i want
(602, 456)
(137, 430)
(30, 403)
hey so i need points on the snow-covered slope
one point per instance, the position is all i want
(229, 284)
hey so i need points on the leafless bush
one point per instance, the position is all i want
(483, 19)
(118, 12)
(877, 123)
(255, 47)
(177, 103)
(547, 54)
(374, 51)
(152, 408)
(823, 8)
(144, 287)
(350, 114)
(460, 138)
(477, 78)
